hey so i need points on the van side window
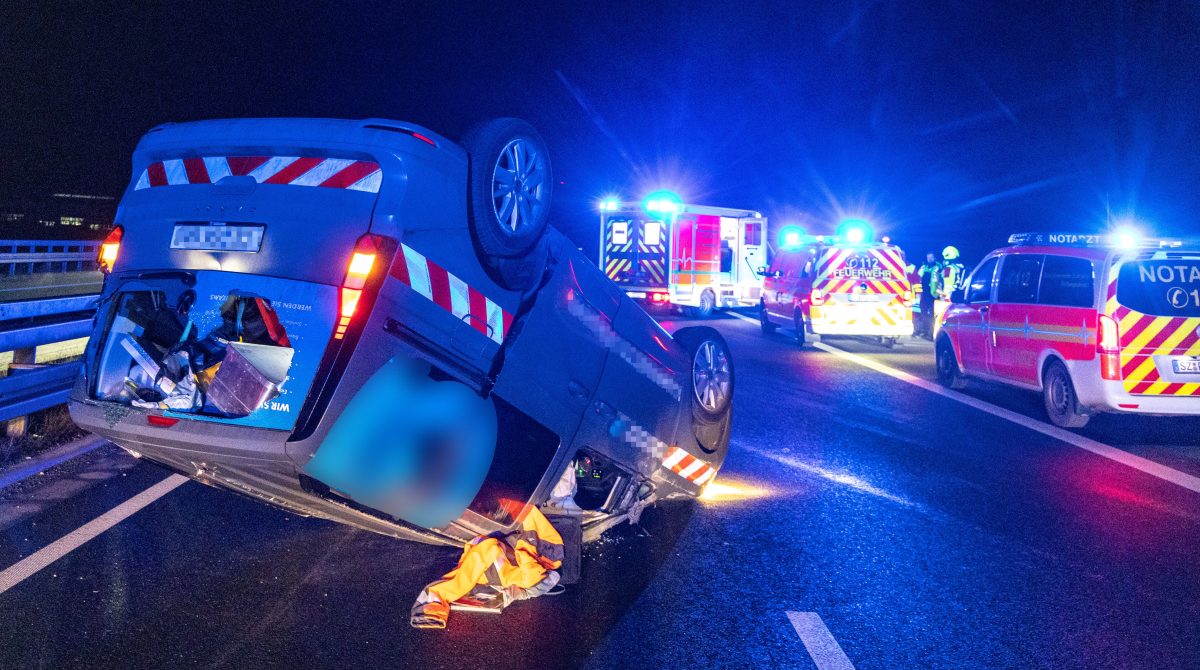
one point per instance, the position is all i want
(1019, 276)
(980, 288)
(808, 268)
(1069, 282)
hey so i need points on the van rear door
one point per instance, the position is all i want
(225, 293)
(1155, 300)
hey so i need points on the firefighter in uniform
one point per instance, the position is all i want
(948, 277)
(928, 274)
(519, 565)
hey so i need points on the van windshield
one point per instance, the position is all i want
(1161, 287)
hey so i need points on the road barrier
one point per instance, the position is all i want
(48, 294)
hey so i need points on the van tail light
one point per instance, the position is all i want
(817, 297)
(1108, 346)
(908, 298)
(659, 297)
(364, 260)
(107, 257)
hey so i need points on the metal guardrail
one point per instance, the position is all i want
(27, 391)
(48, 294)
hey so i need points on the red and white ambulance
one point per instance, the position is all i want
(1096, 323)
(829, 285)
(695, 257)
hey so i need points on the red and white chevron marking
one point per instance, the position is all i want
(451, 293)
(345, 173)
(688, 466)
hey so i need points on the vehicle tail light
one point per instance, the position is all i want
(1108, 346)
(362, 262)
(817, 297)
(159, 420)
(908, 299)
(107, 257)
(659, 297)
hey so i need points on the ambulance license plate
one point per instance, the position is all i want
(1186, 366)
(862, 297)
(217, 236)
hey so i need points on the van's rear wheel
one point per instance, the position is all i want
(764, 320)
(1058, 394)
(800, 327)
(708, 305)
(509, 188)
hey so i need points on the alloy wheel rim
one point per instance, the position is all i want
(518, 185)
(710, 377)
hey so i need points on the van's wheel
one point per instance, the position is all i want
(764, 320)
(712, 381)
(948, 373)
(889, 342)
(1058, 394)
(509, 187)
(800, 327)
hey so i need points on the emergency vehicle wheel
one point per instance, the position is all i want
(708, 304)
(1058, 393)
(800, 327)
(712, 386)
(764, 321)
(509, 186)
(948, 373)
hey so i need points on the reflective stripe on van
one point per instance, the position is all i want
(1144, 337)
(344, 173)
(888, 278)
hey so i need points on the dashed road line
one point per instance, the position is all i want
(64, 545)
(824, 650)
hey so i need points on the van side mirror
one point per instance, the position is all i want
(959, 296)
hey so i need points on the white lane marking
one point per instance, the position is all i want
(743, 317)
(64, 545)
(825, 651)
(1099, 448)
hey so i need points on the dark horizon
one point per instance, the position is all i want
(952, 125)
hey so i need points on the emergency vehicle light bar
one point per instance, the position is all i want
(609, 206)
(1096, 240)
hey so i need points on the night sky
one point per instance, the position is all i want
(942, 122)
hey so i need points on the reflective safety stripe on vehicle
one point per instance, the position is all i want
(835, 258)
(891, 314)
(688, 466)
(1143, 337)
(344, 173)
(451, 293)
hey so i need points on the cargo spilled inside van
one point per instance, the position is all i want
(213, 346)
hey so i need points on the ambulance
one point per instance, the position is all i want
(694, 257)
(1095, 323)
(842, 284)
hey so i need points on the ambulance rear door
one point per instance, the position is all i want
(634, 251)
(695, 255)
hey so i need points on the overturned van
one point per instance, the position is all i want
(366, 322)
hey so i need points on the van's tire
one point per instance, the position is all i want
(764, 320)
(509, 184)
(712, 407)
(948, 374)
(800, 327)
(1058, 395)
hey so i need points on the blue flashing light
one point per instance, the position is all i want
(855, 231)
(610, 204)
(662, 203)
(791, 237)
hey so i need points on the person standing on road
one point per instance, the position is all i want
(951, 274)
(928, 273)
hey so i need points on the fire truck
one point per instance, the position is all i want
(663, 252)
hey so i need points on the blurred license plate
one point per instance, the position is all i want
(1186, 366)
(862, 297)
(214, 236)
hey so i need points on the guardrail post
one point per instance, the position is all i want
(16, 427)
(24, 356)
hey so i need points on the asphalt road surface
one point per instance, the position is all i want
(867, 521)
